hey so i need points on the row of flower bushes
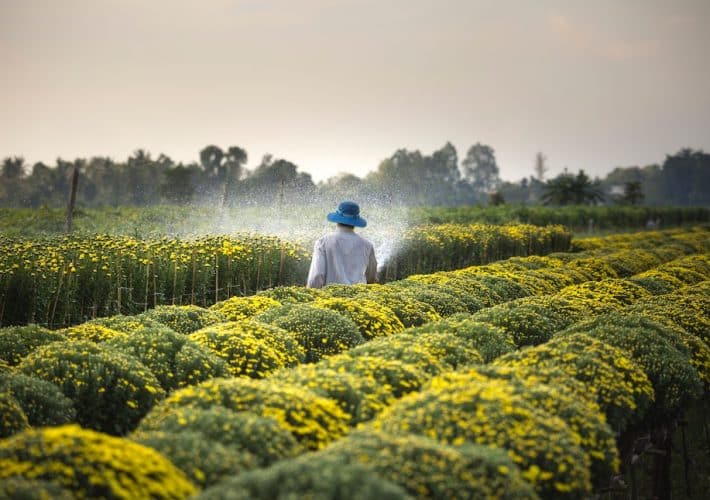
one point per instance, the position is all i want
(59, 281)
(360, 384)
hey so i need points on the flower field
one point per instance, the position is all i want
(65, 280)
(544, 374)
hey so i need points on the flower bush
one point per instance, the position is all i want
(490, 341)
(92, 332)
(171, 357)
(204, 462)
(686, 274)
(409, 310)
(92, 465)
(111, 391)
(125, 324)
(428, 469)
(582, 415)
(239, 308)
(615, 293)
(12, 418)
(530, 320)
(458, 408)
(184, 319)
(288, 294)
(442, 347)
(620, 387)
(452, 288)
(464, 281)
(313, 420)
(685, 308)
(392, 375)
(312, 476)
(675, 381)
(657, 282)
(372, 319)
(262, 437)
(321, 332)
(41, 401)
(359, 396)
(445, 304)
(16, 342)
(247, 354)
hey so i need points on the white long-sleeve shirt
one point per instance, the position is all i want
(342, 257)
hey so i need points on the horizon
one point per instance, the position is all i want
(339, 85)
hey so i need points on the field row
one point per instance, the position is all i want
(640, 357)
(66, 280)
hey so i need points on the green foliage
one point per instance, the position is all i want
(321, 332)
(204, 462)
(239, 308)
(184, 319)
(312, 477)
(111, 391)
(372, 319)
(92, 332)
(20, 488)
(16, 342)
(489, 340)
(313, 420)
(288, 294)
(91, 464)
(126, 324)
(428, 469)
(173, 359)
(262, 437)
(12, 418)
(688, 308)
(445, 304)
(42, 401)
(657, 282)
(409, 310)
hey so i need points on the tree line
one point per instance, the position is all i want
(407, 177)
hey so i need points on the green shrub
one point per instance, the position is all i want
(531, 320)
(458, 408)
(12, 418)
(42, 402)
(359, 396)
(313, 420)
(16, 342)
(126, 324)
(685, 274)
(251, 348)
(675, 381)
(506, 288)
(291, 294)
(204, 462)
(657, 282)
(184, 319)
(372, 319)
(172, 358)
(239, 308)
(428, 469)
(427, 351)
(91, 464)
(686, 309)
(20, 488)
(489, 340)
(461, 280)
(620, 387)
(311, 477)
(321, 332)
(262, 437)
(445, 304)
(110, 391)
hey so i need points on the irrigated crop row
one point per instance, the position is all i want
(499, 429)
(66, 280)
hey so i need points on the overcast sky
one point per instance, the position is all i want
(339, 85)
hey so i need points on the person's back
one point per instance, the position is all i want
(343, 256)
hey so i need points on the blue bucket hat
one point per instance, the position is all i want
(348, 213)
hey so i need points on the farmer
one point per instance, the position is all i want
(343, 256)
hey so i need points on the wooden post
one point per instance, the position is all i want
(72, 198)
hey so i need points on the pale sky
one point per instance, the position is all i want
(339, 85)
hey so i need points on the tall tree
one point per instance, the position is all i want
(480, 168)
(633, 194)
(540, 166)
(568, 189)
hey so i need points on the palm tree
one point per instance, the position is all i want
(568, 189)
